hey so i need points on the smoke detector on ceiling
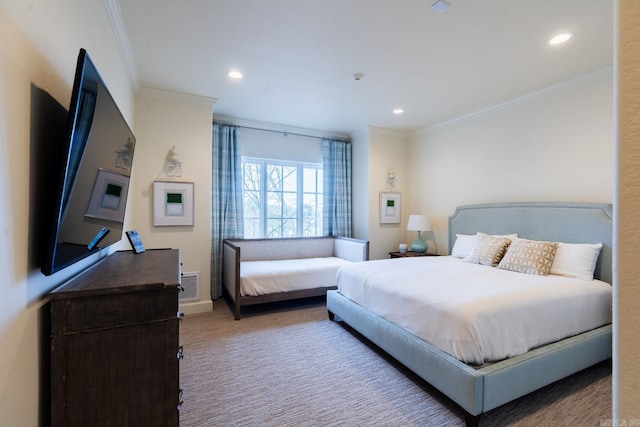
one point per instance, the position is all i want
(357, 76)
(441, 5)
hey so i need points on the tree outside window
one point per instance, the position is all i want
(281, 199)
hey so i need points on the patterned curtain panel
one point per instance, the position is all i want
(226, 197)
(336, 165)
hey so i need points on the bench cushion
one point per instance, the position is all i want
(265, 277)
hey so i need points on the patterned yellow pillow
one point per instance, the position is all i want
(488, 250)
(529, 256)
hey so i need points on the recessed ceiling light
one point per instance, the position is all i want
(235, 74)
(398, 111)
(441, 5)
(560, 38)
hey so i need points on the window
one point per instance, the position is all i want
(281, 199)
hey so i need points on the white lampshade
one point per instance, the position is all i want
(418, 223)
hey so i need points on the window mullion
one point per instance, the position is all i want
(300, 200)
(281, 215)
(263, 198)
(315, 210)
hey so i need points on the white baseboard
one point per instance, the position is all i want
(196, 307)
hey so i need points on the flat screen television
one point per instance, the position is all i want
(93, 174)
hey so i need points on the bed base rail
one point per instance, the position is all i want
(476, 390)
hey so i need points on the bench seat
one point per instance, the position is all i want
(257, 271)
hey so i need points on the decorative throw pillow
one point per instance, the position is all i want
(529, 256)
(576, 260)
(465, 243)
(488, 250)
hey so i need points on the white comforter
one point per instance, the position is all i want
(476, 313)
(267, 277)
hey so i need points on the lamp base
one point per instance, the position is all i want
(419, 246)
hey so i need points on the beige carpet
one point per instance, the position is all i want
(291, 366)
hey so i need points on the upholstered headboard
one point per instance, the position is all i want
(558, 222)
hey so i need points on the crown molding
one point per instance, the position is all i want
(177, 96)
(122, 40)
(550, 90)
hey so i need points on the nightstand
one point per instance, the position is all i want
(409, 254)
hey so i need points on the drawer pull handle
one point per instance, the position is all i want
(180, 401)
(180, 288)
(180, 354)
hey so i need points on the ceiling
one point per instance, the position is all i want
(298, 57)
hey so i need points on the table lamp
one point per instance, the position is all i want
(418, 223)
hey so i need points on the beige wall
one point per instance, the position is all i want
(626, 368)
(386, 150)
(39, 44)
(555, 145)
(164, 120)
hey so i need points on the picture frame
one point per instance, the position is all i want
(172, 203)
(390, 207)
(109, 196)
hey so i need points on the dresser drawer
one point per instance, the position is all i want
(73, 315)
(125, 376)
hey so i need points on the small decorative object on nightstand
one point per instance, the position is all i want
(418, 223)
(402, 248)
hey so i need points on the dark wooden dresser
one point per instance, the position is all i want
(115, 350)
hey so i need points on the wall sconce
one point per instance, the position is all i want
(391, 180)
(123, 155)
(172, 164)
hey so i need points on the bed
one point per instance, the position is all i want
(487, 381)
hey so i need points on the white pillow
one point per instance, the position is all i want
(576, 260)
(465, 243)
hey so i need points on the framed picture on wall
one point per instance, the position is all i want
(172, 203)
(390, 208)
(108, 196)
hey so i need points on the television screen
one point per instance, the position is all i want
(93, 178)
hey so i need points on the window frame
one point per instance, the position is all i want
(300, 166)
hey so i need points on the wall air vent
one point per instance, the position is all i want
(191, 284)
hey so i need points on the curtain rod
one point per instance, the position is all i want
(283, 132)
